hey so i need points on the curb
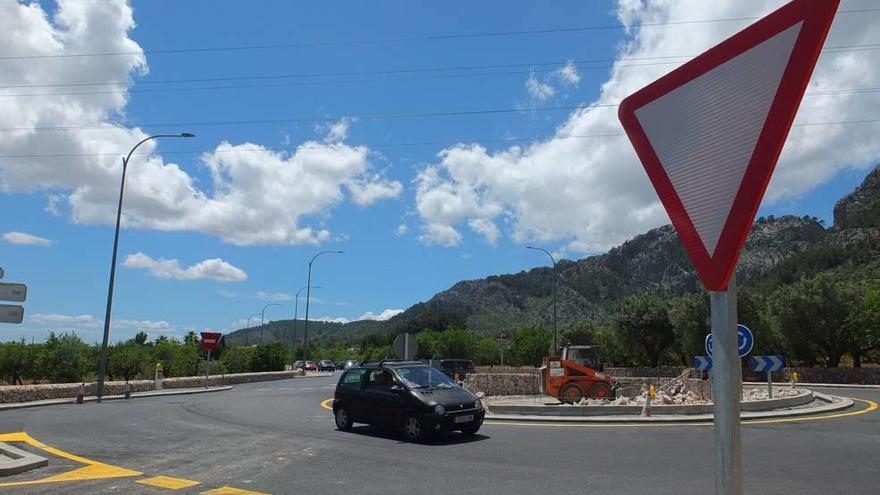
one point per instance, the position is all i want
(835, 385)
(135, 395)
(16, 461)
(830, 406)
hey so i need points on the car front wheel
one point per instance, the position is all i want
(414, 429)
(470, 431)
(343, 419)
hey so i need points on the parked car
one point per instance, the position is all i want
(351, 363)
(340, 365)
(326, 365)
(407, 395)
(298, 365)
(310, 366)
(456, 369)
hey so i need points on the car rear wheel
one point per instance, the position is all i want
(414, 429)
(343, 419)
(571, 393)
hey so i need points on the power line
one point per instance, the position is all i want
(374, 117)
(438, 37)
(258, 149)
(429, 71)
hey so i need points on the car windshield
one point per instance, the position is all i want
(424, 377)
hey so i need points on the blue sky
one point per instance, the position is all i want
(413, 210)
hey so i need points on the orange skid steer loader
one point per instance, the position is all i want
(576, 375)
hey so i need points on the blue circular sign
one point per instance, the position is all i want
(745, 341)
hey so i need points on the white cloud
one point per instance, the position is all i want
(384, 315)
(255, 195)
(568, 74)
(73, 320)
(213, 269)
(143, 324)
(274, 296)
(401, 230)
(538, 90)
(53, 204)
(592, 193)
(26, 239)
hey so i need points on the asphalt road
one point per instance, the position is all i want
(274, 437)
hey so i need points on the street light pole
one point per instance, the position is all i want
(555, 282)
(102, 362)
(308, 297)
(295, 311)
(262, 317)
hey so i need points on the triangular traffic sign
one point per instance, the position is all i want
(710, 132)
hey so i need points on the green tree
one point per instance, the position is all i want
(269, 357)
(140, 338)
(643, 326)
(66, 358)
(580, 333)
(529, 346)
(865, 324)
(457, 343)
(814, 319)
(689, 316)
(17, 360)
(486, 352)
(127, 360)
(238, 359)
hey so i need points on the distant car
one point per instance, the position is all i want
(457, 369)
(299, 365)
(406, 395)
(340, 365)
(326, 365)
(310, 366)
(351, 363)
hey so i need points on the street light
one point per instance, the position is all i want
(308, 297)
(262, 316)
(102, 363)
(295, 311)
(555, 281)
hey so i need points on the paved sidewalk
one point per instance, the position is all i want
(134, 395)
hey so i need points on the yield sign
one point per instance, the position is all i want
(709, 133)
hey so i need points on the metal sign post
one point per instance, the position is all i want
(208, 369)
(727, 391)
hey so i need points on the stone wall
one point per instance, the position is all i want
(27, 393)
(504, 383)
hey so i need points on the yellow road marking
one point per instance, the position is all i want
(326, 404)
(93, 470)
(169, 482)
(872, 406)
(228, 490)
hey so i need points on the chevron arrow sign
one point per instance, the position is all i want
(703, 363)
(768, 363)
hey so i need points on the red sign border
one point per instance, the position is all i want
(817, 16)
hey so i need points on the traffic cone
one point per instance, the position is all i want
(80, 394)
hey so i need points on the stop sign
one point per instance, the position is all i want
(210, 340)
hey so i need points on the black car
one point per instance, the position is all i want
(407, 395)
(326, 365)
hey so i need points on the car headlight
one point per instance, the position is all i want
(439, 410)
(478, 404)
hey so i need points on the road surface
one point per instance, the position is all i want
(275, 437)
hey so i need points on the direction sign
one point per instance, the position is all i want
(10, 313)
(745, 341)
(210, 340)
(503, 343)
(768, 363)
(710, 132)
(13, 292)
(406, 346)
(703, 363)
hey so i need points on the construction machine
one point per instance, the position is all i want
(576, 375)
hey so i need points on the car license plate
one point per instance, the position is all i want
(467, 418)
